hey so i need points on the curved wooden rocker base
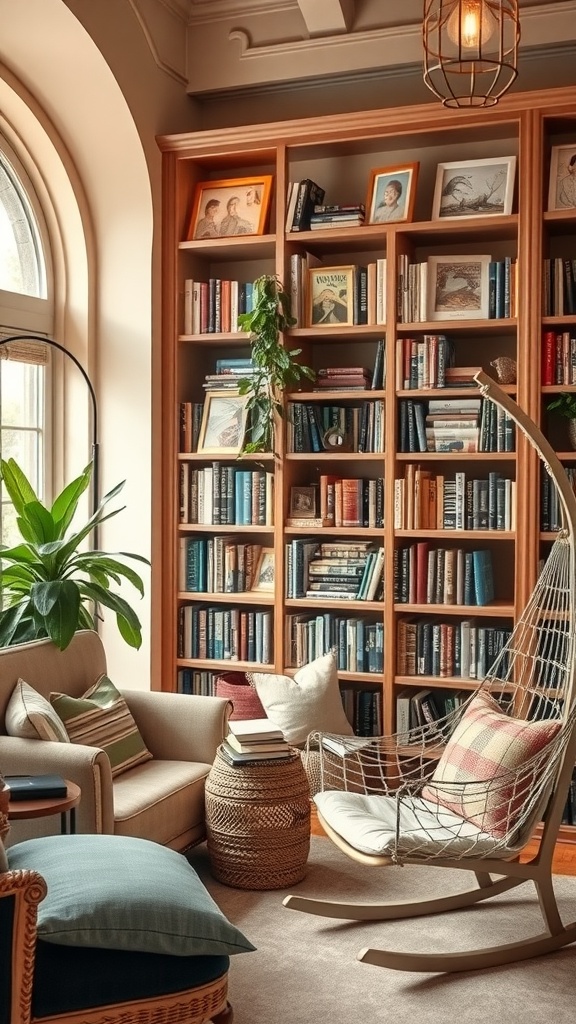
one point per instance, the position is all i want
(472, 959)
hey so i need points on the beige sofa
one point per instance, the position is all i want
(162, 799)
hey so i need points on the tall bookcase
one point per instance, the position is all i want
(339, 152)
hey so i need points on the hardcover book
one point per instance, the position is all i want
(35, 787)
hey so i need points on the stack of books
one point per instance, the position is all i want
(343, 378)
(228, 373)
(252, 740)
(337, 216)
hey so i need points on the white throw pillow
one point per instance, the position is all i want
(31, 717)
(309, 701)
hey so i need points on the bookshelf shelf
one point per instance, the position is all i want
(339, 152)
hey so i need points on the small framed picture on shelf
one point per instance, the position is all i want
(392, 193)
(458, 287)
(223, 423)
(474, 188)
(264, 573)
(331, 296)
(562, 187)
(237, 206)
(303, 502)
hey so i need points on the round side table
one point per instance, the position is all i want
(258, 822)
(65, 806)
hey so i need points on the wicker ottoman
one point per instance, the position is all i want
(258, 823)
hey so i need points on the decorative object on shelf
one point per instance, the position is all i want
(264, 574)
(48, 585)
(391, 193)
(303, 502)
(223, 209)
(336, 439)
(506, 369)
(562, 186)
(276, 367)
(474, 188)
(223, 425)
(470, 50)
(458, 287)
(565, 405)
(331, 293)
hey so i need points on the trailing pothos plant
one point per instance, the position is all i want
(276, 368)
(50, 588)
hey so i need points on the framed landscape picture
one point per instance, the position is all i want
(458, 287)
(236, 206)
(223, 423)
(562, 187)
(391, 193)
(331, 296)
(264, 574)
(474, 188)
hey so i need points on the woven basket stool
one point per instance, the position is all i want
(258, 823)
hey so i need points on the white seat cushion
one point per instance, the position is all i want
(368, 823)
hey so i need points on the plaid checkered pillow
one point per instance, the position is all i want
(486, 745)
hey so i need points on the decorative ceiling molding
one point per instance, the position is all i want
(248, 57)
(209, 11)
(164, 24)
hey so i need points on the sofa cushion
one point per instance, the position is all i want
(31, 717)
(101, 718)
(310, 701)
(115, 892)
(159, 799)
(486, 745)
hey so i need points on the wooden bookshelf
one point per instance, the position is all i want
(339, 152)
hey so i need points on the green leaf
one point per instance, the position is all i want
(39, 523)
(65, 505)
(19, 488)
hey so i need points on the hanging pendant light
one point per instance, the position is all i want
(470, 50)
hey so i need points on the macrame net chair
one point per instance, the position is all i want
(467, 791)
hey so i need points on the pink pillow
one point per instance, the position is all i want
(485, 745)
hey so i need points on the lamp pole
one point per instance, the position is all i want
(95, 444)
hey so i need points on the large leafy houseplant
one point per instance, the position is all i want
(49, 587)
(275, 367)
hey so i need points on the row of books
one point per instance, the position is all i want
(301, 199)
(466, 650)
(338, 571)
(314, 427)
(357, 641)
(550, 507)
(225, 634)
(454, 425)
(217, 565)
(428, 575)
(423, 362)
(363, 710)
(423, 708)
(559, 286)
(213, 306)
(427, 501)
(420, 299)
(340, 501)
(196, 680)
(569, 815)
(559, 357)
(360, 291)
(221, 495)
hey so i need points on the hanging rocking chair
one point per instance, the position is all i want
(467, 791)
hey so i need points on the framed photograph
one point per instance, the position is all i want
(237, 206)
(474, 188)
(458, 287)
(562, 189)
(331, 296)
(264, 573)
(303, 502)
(391, 193)
(223, 423)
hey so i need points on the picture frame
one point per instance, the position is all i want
(223, 423)
(331, 296)
(392, 193)
(303, 502)
(474, 188)
(458, 287)
(263, 582)
(562, 185)
(231, 207)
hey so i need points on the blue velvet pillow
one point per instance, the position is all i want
(117, 892)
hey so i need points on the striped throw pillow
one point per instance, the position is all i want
(485, 746)
(101, 718)
(31, 717)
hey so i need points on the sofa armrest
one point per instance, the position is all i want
(88, 767)
(178, 726)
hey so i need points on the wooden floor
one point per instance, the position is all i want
(564, 858)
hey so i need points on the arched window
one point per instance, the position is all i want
(24, 308)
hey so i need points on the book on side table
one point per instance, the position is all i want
(253, 740)
(36, 787)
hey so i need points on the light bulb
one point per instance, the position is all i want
(471, 24)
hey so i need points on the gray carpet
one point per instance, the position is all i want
(305, 971)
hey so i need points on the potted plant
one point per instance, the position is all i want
(565, 405)
(49, 587)
(276, 367)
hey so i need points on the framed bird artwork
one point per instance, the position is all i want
(474, 188)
